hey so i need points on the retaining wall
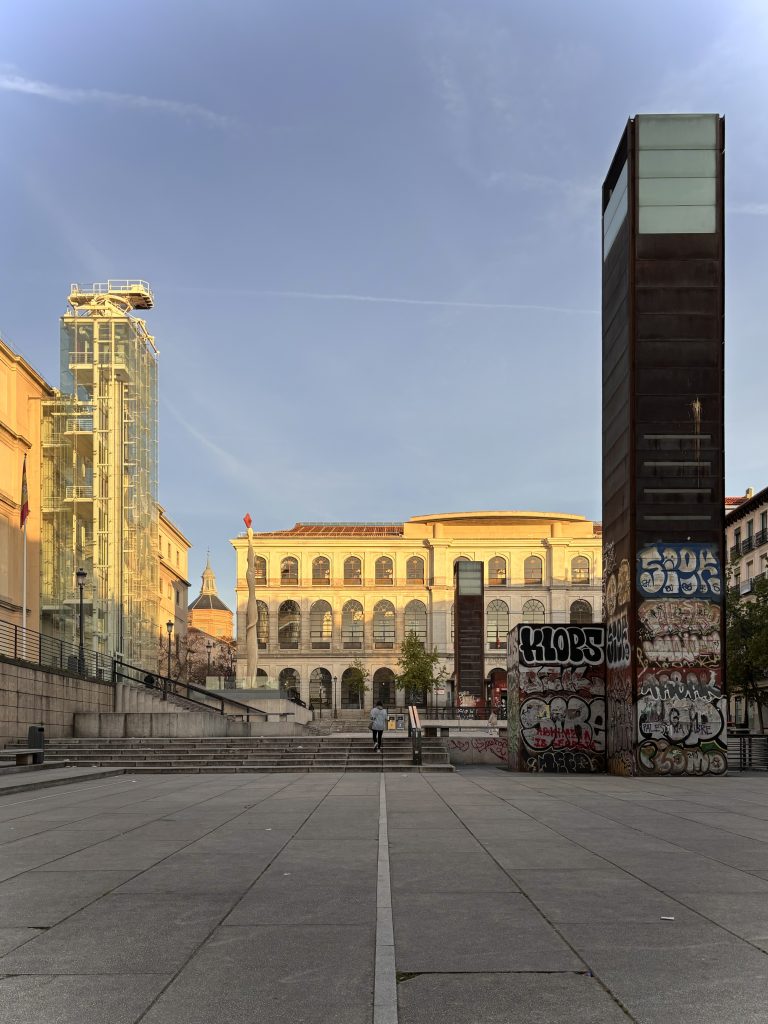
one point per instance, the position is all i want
(188, 724)
(37, 696)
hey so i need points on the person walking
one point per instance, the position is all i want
(493, 724)
(378, 724)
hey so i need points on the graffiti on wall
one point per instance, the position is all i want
(477, 750)
(619, 694)
(679, 570)
(681, 718)
(678, 631)
(560, 645)
(556, 678)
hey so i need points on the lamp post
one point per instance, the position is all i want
(169, 627)
(81, 575)
(209, 648)
(335, 709)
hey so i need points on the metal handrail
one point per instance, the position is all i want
(224, 705)
(50, 652)
(414, 731)
(459, 713)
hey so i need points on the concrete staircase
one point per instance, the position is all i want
(251, 754)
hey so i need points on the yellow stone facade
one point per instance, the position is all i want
(356, 589)
(173, 557)
(21, 391)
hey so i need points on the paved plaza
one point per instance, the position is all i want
(351, 898)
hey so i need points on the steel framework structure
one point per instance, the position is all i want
(99, 474)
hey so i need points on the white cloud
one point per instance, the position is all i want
(12, 82)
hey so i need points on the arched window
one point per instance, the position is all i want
(497, 625)
(416, 620)
(580, 570)
(461, 558)
(414, 570)
(288, 626)
(497, 572)
(384, 625)
(352, 626)
(289, 572)
(321, 572)
(260, 571)
(533, 611)
(353, 572)
(384, 572)
(581, 612)
(320, 626)
(384, 686)
(532, 570)
(290, 681)
(320, 688)
(353, 688)
(262, 627)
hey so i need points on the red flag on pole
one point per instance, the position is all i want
(24, 495)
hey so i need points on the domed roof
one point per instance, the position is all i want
(208, 598)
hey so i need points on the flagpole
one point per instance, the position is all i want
(24, 589)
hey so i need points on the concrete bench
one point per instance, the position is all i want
(24, 755)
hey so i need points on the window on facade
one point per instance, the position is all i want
(533, 611)
(581, 612)
(532, 570)
(414, 569)
(288, 626)
(497, 625)
(764, 521)
(289, 572)
(321, 572)
(290, 680)
(320, 688)
(177, 597)
(451, 623)
(384, 686)
(260, 571)
(416, 620)
(169, 551)
(384, 572)
(497, 572)
(262, 627)
(320, 625)
(384, 625)
(177, 558)
(750, 569)
(352, 626)
(580, 569)
(750, 527)
(353, 571)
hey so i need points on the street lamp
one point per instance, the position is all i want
(335, 709)
(81, 575)
(209, 648)
(169, 627)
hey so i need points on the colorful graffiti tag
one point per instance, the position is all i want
(680, 708)
(557, 713)
(679, 570)
(618, 660)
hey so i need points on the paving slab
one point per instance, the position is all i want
(40, 899)
(312, 974)
(72, 999)
(502, 998)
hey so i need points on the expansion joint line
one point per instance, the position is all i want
(384, 983)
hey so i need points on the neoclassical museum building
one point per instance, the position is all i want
(332, 593)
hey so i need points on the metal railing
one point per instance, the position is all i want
(414, 731)
(457, 712)
(748, 752)
(211, 700)
(49, 652)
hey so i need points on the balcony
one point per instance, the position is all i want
(81, 492)
(761, 537)
(733, 552)
(747, 545)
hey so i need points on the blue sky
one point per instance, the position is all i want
(372, 230)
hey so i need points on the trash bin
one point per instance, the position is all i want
(36, 736)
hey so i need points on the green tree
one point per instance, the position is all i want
(746, 626)
(418, 666)
(356, 679)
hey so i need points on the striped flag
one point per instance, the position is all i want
(24, 495)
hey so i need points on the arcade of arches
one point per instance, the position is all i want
(330, 594)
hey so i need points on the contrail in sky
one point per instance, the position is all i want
(346, 297)
(10, 82)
